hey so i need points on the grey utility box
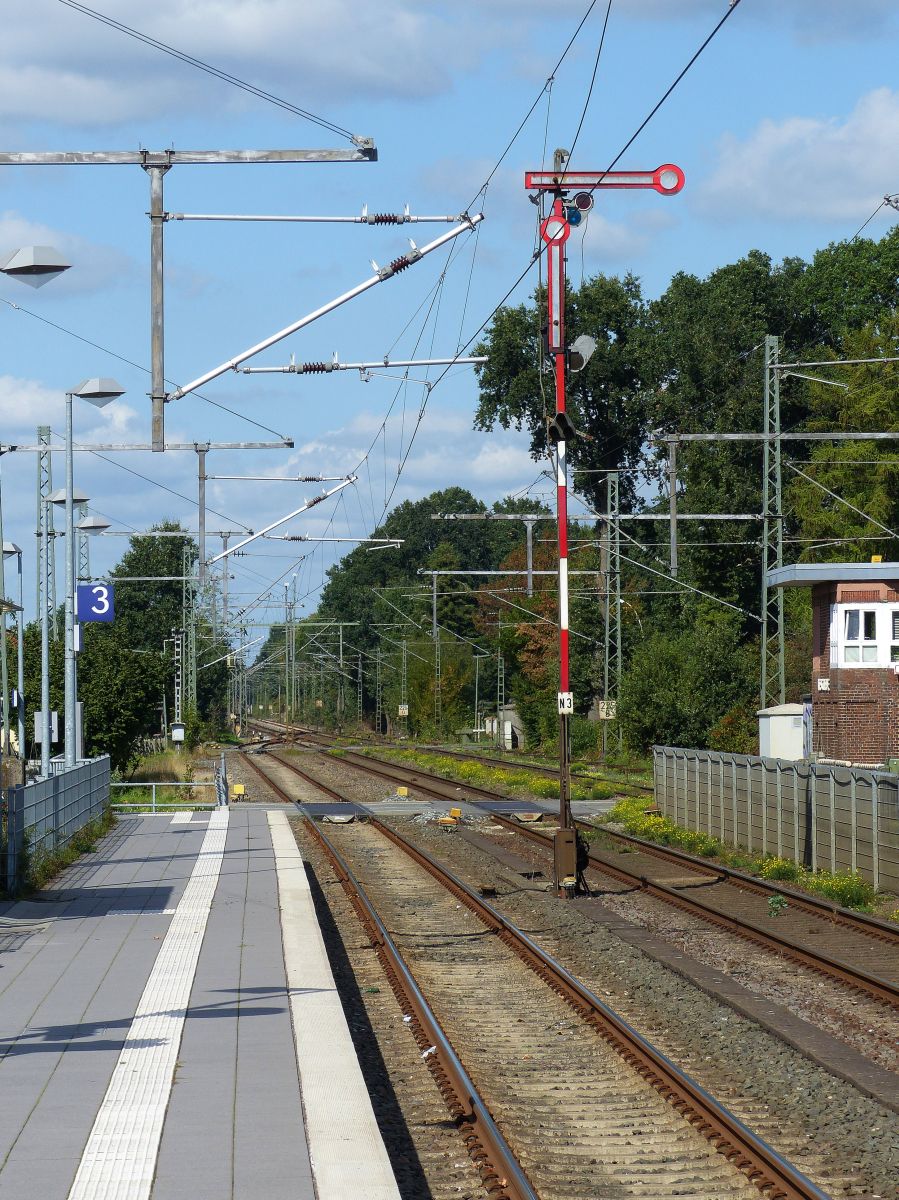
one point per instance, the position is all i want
(781, 731)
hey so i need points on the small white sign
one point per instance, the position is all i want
(823, 684)
(403, 710)
(177, 731)
(566, 702)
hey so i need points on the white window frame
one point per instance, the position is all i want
(884, 643)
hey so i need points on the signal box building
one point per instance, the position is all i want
(855, 657)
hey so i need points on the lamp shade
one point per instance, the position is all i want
(34, 265)
(93, 525)
(59, 496)
(99, 390)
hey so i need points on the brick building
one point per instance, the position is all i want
(855, 657)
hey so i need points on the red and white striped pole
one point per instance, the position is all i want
(555, 231)
(666, 180)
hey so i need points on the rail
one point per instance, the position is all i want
(773, 1175)
(882, 990)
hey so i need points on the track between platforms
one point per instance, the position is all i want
(496, 1163)
(573, 1100)
(846, 935)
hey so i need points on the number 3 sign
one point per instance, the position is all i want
(95, 602)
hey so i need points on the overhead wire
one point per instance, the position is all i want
(209, 69)
(734, 5)
(889, 201)
(131, 363)
(580, 124)
(155, 482)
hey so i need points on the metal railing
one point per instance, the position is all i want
(220, 797)
(43, 816)
(155, 805)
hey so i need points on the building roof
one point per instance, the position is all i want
(807, 574)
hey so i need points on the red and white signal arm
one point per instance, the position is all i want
(667, 180)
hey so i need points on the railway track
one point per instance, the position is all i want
(587, 1116)
(540, 768)
(729, 900)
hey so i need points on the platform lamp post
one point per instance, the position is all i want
(10, 549)
(35, 266)
(97, 391)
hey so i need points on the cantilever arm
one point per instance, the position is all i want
(382, 274)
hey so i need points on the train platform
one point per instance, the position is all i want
(170, 1028)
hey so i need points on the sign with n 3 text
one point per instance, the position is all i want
(566, 702)
(95, 602)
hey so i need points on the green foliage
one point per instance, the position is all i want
(40, 866)
(511, 780)
(676, 685)
(122, 671)
(737, 732)
(844, 887)
(605, 399)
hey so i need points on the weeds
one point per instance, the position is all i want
(511, 778)
(40, 866)
(844, 887)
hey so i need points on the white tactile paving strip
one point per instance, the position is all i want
(346, 1149)
(119, 1159)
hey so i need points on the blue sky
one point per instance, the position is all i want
(786, 128)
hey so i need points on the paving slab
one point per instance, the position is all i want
(234, 1127)
(68, 996)
(147, 1027)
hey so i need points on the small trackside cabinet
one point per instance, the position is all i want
(565, 852)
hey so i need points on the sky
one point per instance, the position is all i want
(786, 128)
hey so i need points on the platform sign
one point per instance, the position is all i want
(95, 602)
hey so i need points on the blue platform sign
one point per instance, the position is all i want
(95, 602)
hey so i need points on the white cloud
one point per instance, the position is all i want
(446, 451)
(25, 404)
(94, 267)
(809, 168)
(70, 68)
(613, 241)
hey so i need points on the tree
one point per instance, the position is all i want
(605, 400)
(678, 685)
(122, 671)
(832, 476)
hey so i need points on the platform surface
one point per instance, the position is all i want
(147, 1042)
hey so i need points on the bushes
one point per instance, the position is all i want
(515, 779)
(679, 686)
(843, 887)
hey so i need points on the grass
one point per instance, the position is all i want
(843, 887)
(506, 779)
(167, 766)
(40, 866)
(184, 797)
